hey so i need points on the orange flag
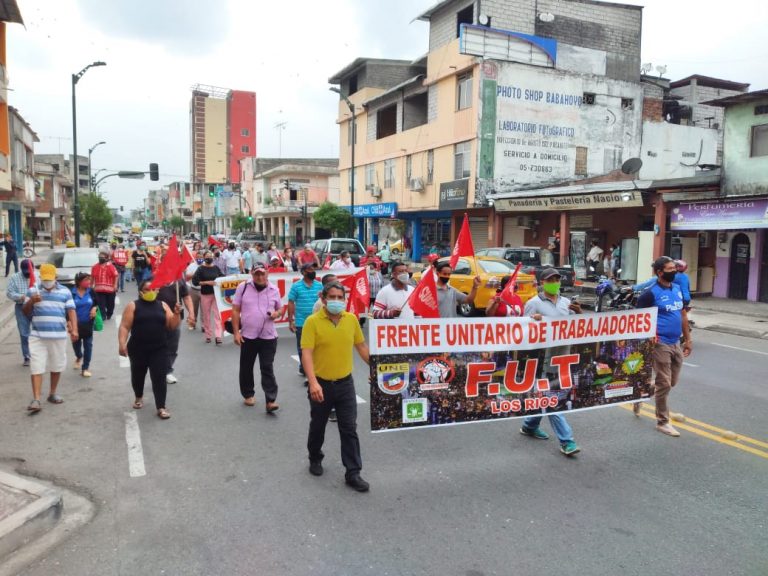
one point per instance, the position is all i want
(463, 246)
(423, 300)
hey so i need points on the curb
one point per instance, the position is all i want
(7, 319)
(733, 330)
(31, 520)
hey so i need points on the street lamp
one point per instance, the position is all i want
(352, 160)
(76, 167)
(90, 151)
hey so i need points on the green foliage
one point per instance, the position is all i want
(240, 222)
(333, 218)
(95, 215)
(177, 223)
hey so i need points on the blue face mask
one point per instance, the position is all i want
(335, 306)
(199, 260)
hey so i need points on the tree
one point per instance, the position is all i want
(333, 218)
(177, 224)
(95, 215)
(240, 222)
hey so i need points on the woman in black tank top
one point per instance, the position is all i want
(147, 322)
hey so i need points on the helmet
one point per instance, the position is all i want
(682, 265)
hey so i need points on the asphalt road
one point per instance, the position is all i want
(227, 492)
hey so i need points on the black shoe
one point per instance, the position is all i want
(355, 481)
(332, 416)
(306, 383)
(315, 468)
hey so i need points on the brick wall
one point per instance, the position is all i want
(653, 109)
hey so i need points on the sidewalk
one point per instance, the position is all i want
(738, 317)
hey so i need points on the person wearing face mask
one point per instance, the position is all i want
(233, 259)
(52, 313)
(276, 266)
(85, 309)
(327, 341)
(205, 277)
(448, 298)
(120, 259)
(301, 298)
(391, 298)
(259, 256)
(219, 261)
(255, 307)
(194, 291)
(140, 263)
(344, 262)
(668, 354)
(375, 281)
(16, 292)
(143, 337)
(105, 280)
(551, 303)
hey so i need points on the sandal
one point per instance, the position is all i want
(207, 340)
(138, 404)
(55, 399)
(218, 341)
(34, 407)
(163, 414)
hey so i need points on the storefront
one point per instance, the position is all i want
(367, 220)
(734, 231)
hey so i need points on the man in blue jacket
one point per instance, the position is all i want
(10, 254)
(672, 321)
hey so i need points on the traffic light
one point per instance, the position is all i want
(250, 216)
(211, 190)
(154, 174)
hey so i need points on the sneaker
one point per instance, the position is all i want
(301, 371)
(26, 362)
(668, 429)
(86, 374)
(538, 433)
(356, 481)
(171, 379)
(315, 468)
(332, 416)
(569, 448)
(272, 407)
(636, 409)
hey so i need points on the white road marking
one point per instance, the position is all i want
(117, 300)
(135, 452)
(118, 318)
(125, 362)
(359, 400)
(295, 357)
(690, 365)
(740, 349)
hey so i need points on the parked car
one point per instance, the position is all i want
(71, 261)
(250, 237)
(491, 271)
(534, 259)
(153, 237)
(335, 246)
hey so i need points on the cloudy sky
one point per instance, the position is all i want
(285, 52)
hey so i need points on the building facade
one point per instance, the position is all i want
(53, 187)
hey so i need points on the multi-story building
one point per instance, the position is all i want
(181, 203)
(10, 209)
(222, 132)
(64, 163)
(283, 193)
(23, 140)
(54, 193)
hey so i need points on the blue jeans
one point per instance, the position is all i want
(298, 347)
(22, 323)
(557, 421)
(232, 270)
(140, 274)
(85, 351)
(121, 279)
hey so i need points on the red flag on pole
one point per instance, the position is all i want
(423, 300)
(508, 294)
(359, 292)
(168, 269)
(185, 260)
(327, 263)
(463, 245)
(212, 241)
(31, 273)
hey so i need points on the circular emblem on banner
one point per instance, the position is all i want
(392, 378)
(435, 373)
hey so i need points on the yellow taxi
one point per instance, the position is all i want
(491, 271)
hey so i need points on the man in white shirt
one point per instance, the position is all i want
(233, 259)
(594, 256)
(391, 299)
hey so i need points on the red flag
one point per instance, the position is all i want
(359, 292)
(212, 241)
(327, 263)
(463, 245)
(185, 260)
(31, 273)
(168, 269)
(508, 294)
(423, 300)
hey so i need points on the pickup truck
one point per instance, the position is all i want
(534, 259)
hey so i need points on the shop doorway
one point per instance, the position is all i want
(738, 278)
(763, 296)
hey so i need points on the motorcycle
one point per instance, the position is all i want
(610, 296)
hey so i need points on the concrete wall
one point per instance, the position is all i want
(674, 151)
(744, 174)
(723, 263)
(215, 140)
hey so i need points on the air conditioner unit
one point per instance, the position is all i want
(416, 184)
(376, 192)
(370, 187)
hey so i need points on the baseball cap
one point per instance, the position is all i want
(259, 267)
(548, 273)
(307, 266)
(47, 272)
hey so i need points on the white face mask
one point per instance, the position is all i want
(48, 284)
(403, 278)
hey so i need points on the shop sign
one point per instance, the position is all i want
(382, 210)
(453, 195)
(730, 215)
(594, 201)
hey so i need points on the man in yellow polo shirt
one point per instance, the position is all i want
(326, 351)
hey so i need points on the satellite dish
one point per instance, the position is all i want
(661, 70)
(632, 166)
(645, 68)
(546, 17)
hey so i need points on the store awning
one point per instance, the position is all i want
(577, 197)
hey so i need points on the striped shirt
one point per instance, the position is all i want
(49, 316)
(304, 298)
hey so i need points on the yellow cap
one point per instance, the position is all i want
(47, 272)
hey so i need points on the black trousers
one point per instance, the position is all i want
(338, 394)
(156, 361)
(265, 351)
(106, 304)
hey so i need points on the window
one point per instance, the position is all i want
(352, 85)
(463, 268)
(465, 16)
(386, 122)
(759, 140)
(461, 160)
(430, 166)
(245, 149)
(370, 176)
(408, 167)
(464, 91)
(581, 161)
(389, 173)
(245, 132)
(350, 135)
(415, 110)
(349, 179)
(589, 98)
(627, 104)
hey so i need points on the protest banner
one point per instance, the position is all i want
(438, 372)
